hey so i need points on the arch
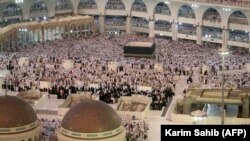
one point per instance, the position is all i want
(87, 27)
(115, 5)
(39, 6)
(73, 27)
(162, 8)
(87, 4)
(211, 14)
(139, 5)
(238, 17)
(12, 10)
(64, 5)
(186, 11)
(66, 29)
(81, 27)
(30, 139)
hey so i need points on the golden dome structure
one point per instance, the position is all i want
(18, 120)
(91, 120)
(14, 112)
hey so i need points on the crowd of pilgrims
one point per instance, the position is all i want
(136, 130)
(49, 128)
(92, 55)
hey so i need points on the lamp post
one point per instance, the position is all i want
(223, 52)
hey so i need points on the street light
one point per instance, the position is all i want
(223, 52)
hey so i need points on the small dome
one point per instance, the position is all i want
(91, 116)
(14, 112)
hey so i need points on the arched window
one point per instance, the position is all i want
(39, 6)
(139, 6)
(87, 4)
(12, 10)
(238, 17)
(162, 8)
(63, 5)
(212, 15)
(11, 14)
(187, 12)
(115, 5)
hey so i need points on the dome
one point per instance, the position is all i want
(91, 116)
(14, 112)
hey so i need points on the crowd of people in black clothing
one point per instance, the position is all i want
(111, 93)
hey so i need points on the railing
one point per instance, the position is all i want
(239, 3)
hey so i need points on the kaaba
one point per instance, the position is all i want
(139, 49)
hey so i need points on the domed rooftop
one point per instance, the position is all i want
(91, 116)
(14, 112)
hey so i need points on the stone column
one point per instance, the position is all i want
(249, 45)
(225, 36)
(1, 45)
(35, 36)
(9, 45)
(77, 32)
(85, 30)
(16, 41)
(60, 32)
(101, 22)
(245, 107)
(151, 26)
(12, 42)
(68, 34)
(174, 31)
(43, 35)
(51, 31)
(187, 103)
(199, 35)
(40, 32)
(24, 38)
(128, 25)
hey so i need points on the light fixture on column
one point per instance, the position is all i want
(19, 1)
(195, 5)
(167, 2)
(226, 9)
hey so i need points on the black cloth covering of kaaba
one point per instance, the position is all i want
(139, 51)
